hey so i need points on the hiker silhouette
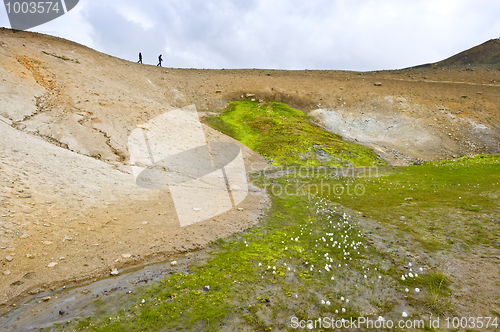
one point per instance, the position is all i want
(140, 58)
(159, 61)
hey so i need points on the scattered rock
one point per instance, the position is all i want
(26, 196)
(67, 238)
(52, 264)
(7, 273)
(377, 84)
(409, 199)
(240, 209)
(61, 312)
(47, 298)
(114, 272)
(402, 218)
(206, 288)
(173, 263)
(9, 258)
(30, 256)
(126, 255)
(24, 236)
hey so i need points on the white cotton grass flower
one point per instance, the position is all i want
(380, 318)
(260, 264)
(336, 311)
(342, 298)
(403, 278)
(417, 290)
(407, 290)
(404, 314)
(343, 309)
(332, 278)
(322, 301)
(327, 302)
(410, 275)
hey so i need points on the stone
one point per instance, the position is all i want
(26, 196)
(377, 84)
(47, 298)
(240, 209)
(51, 265)
(7, 273)
(24, 236)
(409, 199)
(126, 255)
(114, 272)
(173, 263)
(206, 288)
(9, 258)
(30, 256)
(67, 238)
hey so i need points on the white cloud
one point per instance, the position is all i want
(287, 34)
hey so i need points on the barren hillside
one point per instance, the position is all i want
(66, 111)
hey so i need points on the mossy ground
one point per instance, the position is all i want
(307, 259)
(286, 137)
(441, 204)
(310, 256)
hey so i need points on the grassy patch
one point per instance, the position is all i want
(441, 203)
(285, 136)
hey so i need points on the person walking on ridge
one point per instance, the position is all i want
(140, 58)
(159, 61)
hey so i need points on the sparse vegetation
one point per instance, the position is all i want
(62, 57)
(285, 136)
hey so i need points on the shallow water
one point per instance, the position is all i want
(80, 301)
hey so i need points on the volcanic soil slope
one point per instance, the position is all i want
(67, 192)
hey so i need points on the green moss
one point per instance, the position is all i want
(286, 137)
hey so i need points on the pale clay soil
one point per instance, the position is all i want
(67, 194)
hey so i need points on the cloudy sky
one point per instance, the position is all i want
(279, 34)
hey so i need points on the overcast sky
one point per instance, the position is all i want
(279, 34)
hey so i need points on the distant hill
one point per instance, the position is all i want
(487, 53)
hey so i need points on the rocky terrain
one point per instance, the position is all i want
(70, 209)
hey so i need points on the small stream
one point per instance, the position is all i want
(69, 303)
